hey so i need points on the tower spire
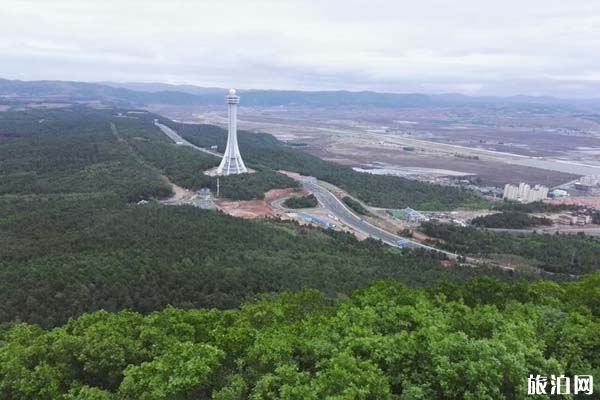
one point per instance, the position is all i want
(232, 162)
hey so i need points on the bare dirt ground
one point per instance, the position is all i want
(514, 129)
(246, 209)
(179, 193)
(357, 137)
(275, 194)
(591, 202)
(420, 236)
(491, 173)
(383, 220)
(255, 208)
(293, 175)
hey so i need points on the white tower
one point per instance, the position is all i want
(232, 162)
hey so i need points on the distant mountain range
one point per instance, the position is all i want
(140, 94)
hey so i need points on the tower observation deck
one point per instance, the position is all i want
(232, 162)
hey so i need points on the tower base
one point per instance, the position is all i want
(214, 172)
(232, 166)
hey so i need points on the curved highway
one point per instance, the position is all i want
(337, 208)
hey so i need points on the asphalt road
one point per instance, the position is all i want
(174, 136)
(345, 215)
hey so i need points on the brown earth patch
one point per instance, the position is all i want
(492, 173)
(591, 202)
(275, 194)
(255, 208)
(246, 209)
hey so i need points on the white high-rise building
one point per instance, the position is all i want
(525, 193)
(523, 190)
(511, 192)
(232, 162)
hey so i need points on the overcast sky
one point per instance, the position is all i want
(501, 47)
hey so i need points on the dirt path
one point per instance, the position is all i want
(179, 193)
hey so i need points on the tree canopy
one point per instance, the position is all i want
(63, 255)
(510, 220)
(355, 205)
(386, 341)
(569, 254)
(102, 298)
(301, 201)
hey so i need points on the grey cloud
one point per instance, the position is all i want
(475, 47)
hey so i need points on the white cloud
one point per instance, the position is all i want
(431, 45)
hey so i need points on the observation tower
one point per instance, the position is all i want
(232, 162)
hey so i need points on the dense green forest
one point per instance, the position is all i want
(254, 186)
(510, 220)
(355, 205)
(478, 341)
(571, 254)
(185, 166)
(105, 299)
(67, 254)
(261, 150)
(83, 150)
(77, 246)
(301, 201)
(70, 151)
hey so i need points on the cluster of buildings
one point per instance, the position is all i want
(588, 183)
(408, 214)
(315, 220)
(581, 220)
(525, 193)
